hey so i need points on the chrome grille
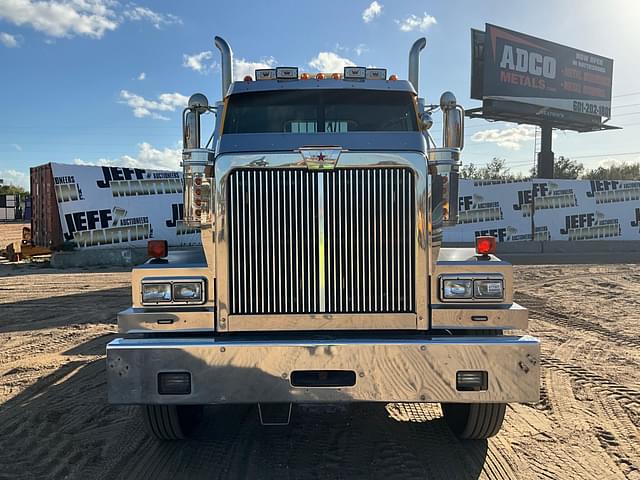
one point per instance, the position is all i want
(338, 241)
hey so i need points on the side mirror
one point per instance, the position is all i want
(198, 104)
(426, 122)
(444, 165)
(195, 160)
(453, 121)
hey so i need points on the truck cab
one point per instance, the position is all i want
(321, 201)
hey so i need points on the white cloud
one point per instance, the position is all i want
(413, 22)
(142, 76)
(511, 137)
(138, 13)
(8, 40)
(62, 18)
(358, 49)
(15, 177)
(330, 62)
(199, 62)
(372, 11)
(147, 157)
(17, 147)
(166, 102)
(68, 18)
(242, 67)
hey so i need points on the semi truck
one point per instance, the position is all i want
(321, 201)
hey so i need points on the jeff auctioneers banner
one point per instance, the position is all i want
(548, 210)
(111, 206)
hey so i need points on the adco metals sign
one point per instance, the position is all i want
(514, 67)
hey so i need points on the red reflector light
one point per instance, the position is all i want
(157, 248)
(485, 245)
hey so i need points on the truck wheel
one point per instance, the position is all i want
(171, 422)
(474, 421)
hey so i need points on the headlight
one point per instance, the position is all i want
(457, 288)
(156, 292)
(187, 292)
(471, 288)
(491, 288)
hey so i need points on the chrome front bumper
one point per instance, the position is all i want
(242, 370)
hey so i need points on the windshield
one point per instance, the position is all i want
(320, 111)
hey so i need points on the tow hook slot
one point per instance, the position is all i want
(323, 378)
(274, 413)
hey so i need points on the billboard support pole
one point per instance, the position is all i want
(545, 156)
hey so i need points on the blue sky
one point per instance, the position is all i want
(103, 82)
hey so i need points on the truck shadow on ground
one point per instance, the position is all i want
(95, 306)
(62, 427)
(45, 268)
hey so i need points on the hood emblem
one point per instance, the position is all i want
(320, 158)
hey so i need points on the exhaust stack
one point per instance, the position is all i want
(227, 64)
(414, 61)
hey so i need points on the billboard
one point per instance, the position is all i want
(102, 207)
(548, 210)
(514, 72)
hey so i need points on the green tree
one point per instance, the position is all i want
(565, 168)
(616, 171)
(13, 190)
(469, 170)
(496, 169)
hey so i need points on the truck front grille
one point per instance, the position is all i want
(339, 241)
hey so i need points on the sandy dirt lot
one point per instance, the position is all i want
(55, 422)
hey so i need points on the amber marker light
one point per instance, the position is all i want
(393, 77)
(320, 76)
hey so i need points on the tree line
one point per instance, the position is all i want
(564, 168)
(13, 190)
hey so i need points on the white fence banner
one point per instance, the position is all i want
(107, 206)
(114, 206)
(548, 210)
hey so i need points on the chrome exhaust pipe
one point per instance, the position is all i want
(227, 64)
(414, 61)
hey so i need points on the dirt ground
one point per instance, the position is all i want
(55, 422)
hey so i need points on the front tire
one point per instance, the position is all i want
(171, 422)
(474, 421)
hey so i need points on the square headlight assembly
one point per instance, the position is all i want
(156, 293)
(457, 288)
(189, 292)
(491, 288)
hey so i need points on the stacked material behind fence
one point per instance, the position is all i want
(45, 222)
(8, 207)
